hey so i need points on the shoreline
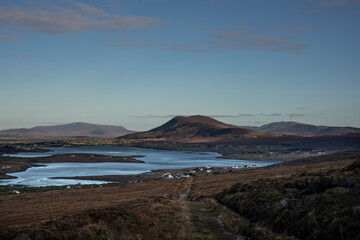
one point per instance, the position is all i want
(18, 164)
(162, 174)
(226, 152)
(86, 158)
(234, 151)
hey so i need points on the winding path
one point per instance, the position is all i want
(199, 221)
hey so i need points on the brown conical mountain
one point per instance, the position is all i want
(197, 120)
(194, 129)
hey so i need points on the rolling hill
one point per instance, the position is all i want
(195, 129)
(76, 129)
(202, 129)
(300, 128)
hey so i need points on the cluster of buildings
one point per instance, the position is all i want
(206, 170)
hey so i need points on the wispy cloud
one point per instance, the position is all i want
(158, 116)
(245, 38)
(295, 115)
(91, 10)
(334, 3)
(243, 41)
(241, 115)
(21, 56)
(175, 47)
(240, 31)
(131, 44)
(224, 116)
(289, 115)
(274, 43)
(82, 17)
(238, 38)
(9, 38)
(244, 115)
(296, 28)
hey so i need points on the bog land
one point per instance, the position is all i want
(312, 194)
(200, 207)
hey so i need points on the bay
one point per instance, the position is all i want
(154, 160)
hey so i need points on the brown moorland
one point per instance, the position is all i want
(146, 210)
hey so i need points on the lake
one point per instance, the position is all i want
(154, 159)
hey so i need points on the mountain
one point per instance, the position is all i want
(66, 130)
(194, 129)
(202, 129)
(300, 128)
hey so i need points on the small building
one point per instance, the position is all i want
(167, 176)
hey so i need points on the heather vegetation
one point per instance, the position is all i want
(147, 218)
(313, 198)
(308, 206)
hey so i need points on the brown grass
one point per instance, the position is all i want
(149, 210)
(23, 209)
(144, 218)
(208, 185)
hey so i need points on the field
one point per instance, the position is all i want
(187, 208)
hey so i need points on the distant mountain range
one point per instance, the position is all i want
(77, 129)
(300, 128)
(202, 129)
(180, 129)
(195, 129)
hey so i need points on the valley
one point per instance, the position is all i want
(118, 211)
(195, 202)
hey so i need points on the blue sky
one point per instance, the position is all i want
(137, 63)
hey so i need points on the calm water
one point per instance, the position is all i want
(154, 159)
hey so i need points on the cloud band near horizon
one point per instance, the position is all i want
(82, 17)
(289, 115)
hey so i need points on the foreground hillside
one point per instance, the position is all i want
(66, 130)
(321, 205)
(301, 128)
(321, 193)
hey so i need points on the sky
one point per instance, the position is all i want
(138, 63)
